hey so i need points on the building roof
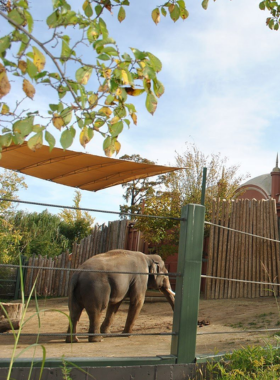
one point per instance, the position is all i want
(262, 181)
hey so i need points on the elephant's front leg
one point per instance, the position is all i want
(110, 315)
(133, 312)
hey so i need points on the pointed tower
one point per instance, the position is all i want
(275, 182)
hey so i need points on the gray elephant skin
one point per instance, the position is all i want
(97, 291)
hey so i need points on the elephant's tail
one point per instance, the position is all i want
(73, 285)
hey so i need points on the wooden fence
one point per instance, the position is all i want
(239, 256)
(51, 282)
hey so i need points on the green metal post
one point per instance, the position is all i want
(203, 187)
(188, 285)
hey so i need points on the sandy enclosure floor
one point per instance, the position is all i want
(224, 315)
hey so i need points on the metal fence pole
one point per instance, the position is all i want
(188, 286)
(203, 187)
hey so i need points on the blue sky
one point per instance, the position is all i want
(221, 78)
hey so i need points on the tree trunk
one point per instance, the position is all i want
(12, 316)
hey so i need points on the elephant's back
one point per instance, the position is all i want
(117, 259)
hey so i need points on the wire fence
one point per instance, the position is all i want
(174, 274)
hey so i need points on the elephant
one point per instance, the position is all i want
(95, 291)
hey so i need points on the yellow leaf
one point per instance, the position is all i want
(84, 136)
(117, 146)
(22, 65)
(114, 120)
(118, 92)
(28, 88)
(107, 73)
(103, 88)
(124, 77)
(93, 100)
(156, 16)
(133, 91)
(39, 59)
(171, 8)
(5, 109)
(134, 118)
(57, 121)
(107, 111)
(4, 82)
(35, 142)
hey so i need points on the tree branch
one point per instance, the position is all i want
(45, 50)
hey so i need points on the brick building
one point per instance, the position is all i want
(264, 186)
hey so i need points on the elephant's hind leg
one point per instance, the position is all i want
(133, 312)
(110, 315)
(94, 325)
(75, 314)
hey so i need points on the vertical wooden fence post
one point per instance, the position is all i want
(188, 285)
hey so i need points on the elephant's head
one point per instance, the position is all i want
(160, 281)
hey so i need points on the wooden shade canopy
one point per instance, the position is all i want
(80, 170)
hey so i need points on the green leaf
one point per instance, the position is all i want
(66, 51)
(6, 140)
(31, 68)
(103, 28)
(149, 73)
(66, 115)
(52, 19)
(155, 62)
(16, 17)
(53, 107)
(103, 57)
(36, 141)
(151, 103)
(205, 4)
(116, 129)
(120, 112)
(87, 9)
(92, 33)
(139, 54)
(121, 14)
(108, 146)
(67, 138)
(175, 14)
(158, 88)
(5, 43)
(98, 10)
(163, 12)
(184, 14)
(83, 74)
(99, 123)
(29, 20)
(23, 127)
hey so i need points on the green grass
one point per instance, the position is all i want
(250, 363)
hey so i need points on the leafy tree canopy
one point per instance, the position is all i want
(138, 190)
(90, 92)
(183, 187)
(10, 183)
(75, 225)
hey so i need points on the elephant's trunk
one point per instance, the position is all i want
(169, 295)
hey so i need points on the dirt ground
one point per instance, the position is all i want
(225, 316)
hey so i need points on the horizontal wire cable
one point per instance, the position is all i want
(238, 332)
(87, 270)
(92, 334)
(242, 232)
(93, 210)
(236, 280)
